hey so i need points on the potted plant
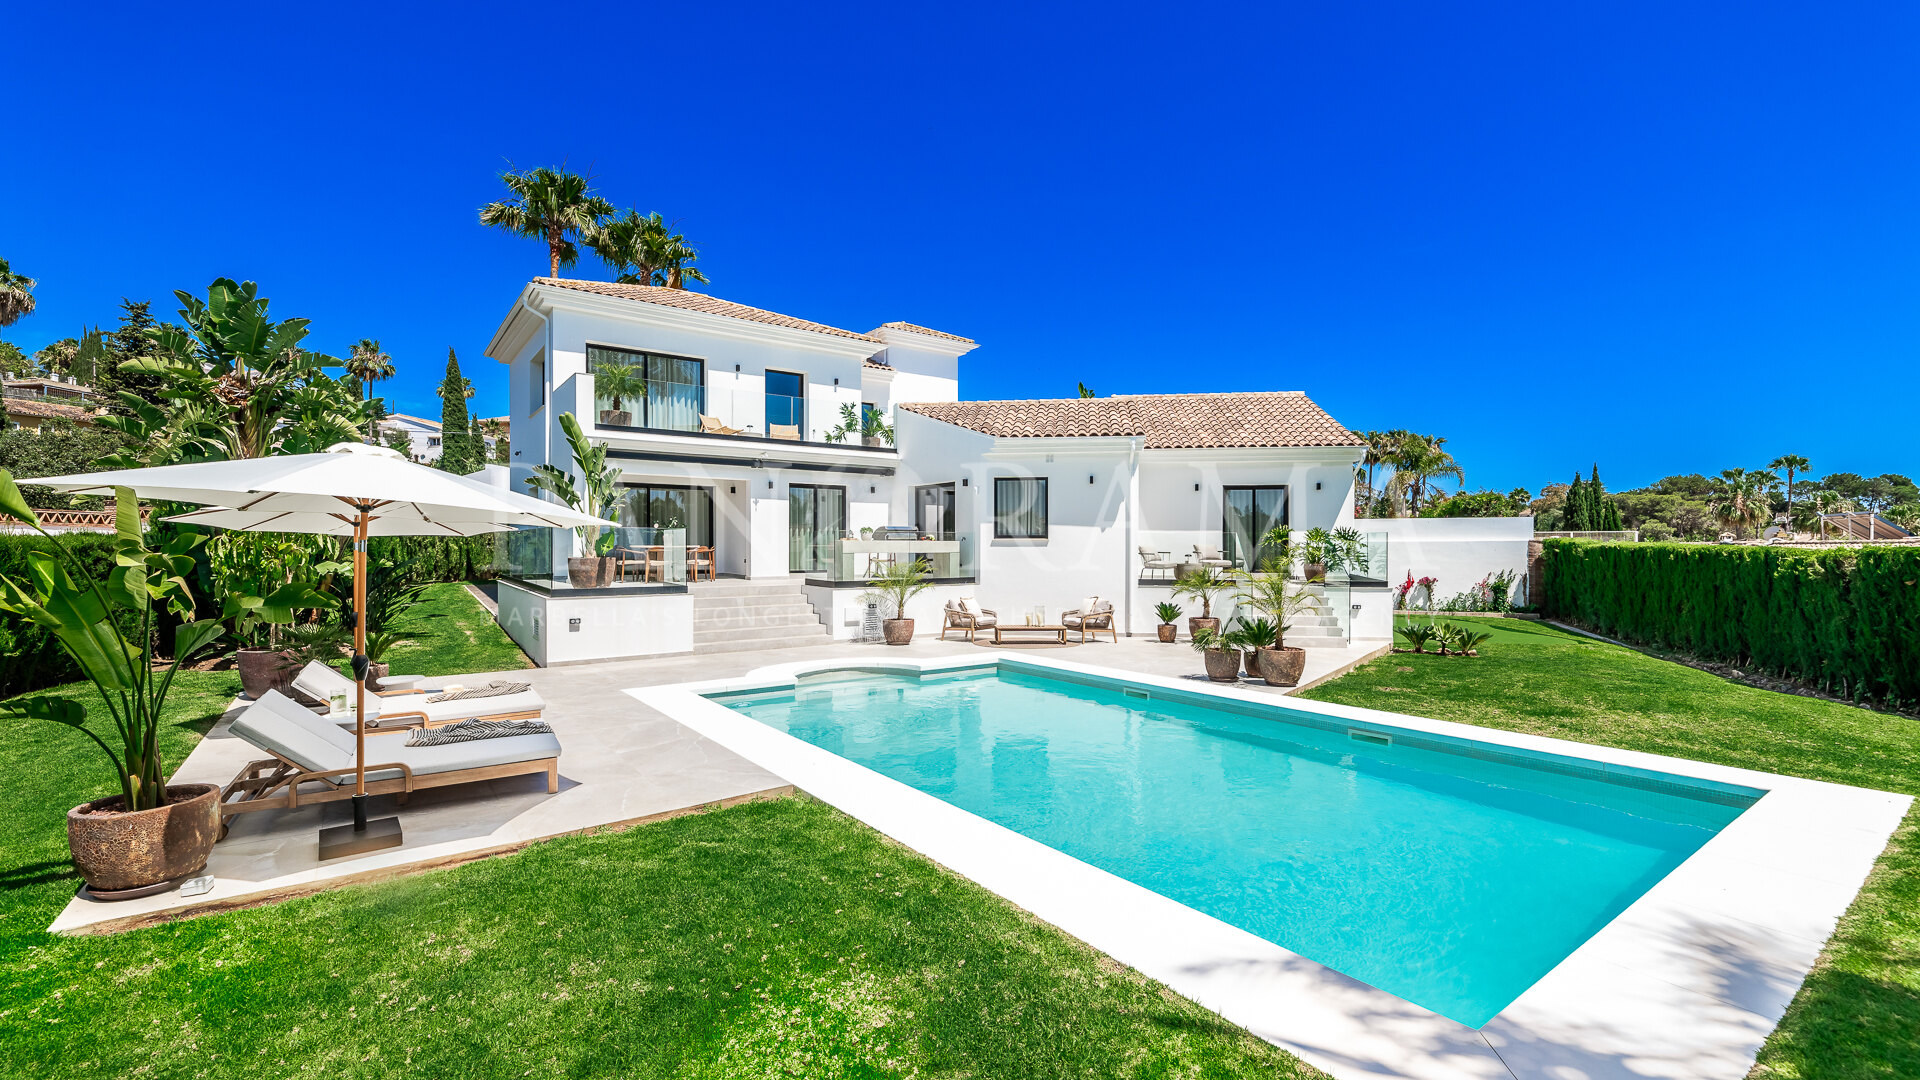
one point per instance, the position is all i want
(1324, 551)
(901, 582)
(1203, 585)
(874, 429)
(1168, 613)
(1258, 636)
(1275, 597)
(149, 834)
(263, 662)
(595, 495)
(618, 383)
(1222, 659)
(866, 532)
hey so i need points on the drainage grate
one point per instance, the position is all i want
(1373, 737)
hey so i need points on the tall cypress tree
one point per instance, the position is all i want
(1574, 517)
(456, 448)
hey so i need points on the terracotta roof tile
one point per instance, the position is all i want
(693, 301)
(1166, 421)
(50, 410)
(878, 365)
(921, 330)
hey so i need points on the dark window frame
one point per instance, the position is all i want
(642, 356)
(1046, 509)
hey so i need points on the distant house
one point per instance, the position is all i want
(32, 401)
(424, 434)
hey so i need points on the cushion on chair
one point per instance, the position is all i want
(966, 604)
(280, 725)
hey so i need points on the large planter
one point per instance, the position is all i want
(1313, 571)
(262, 670)
(610, 418)
(1282, 666)
(875, 440)
(609, 570)
(896, 631)
(375, 672)
(1223, 665)
(1168, 631)
(1197, 623)
(1252, 666)
(583, 571)
(119, 852)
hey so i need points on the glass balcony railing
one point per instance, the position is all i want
(852, 561)
(716, 411)
(561, 560)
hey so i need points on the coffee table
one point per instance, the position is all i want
(1059, 632)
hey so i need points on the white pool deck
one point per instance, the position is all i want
(621, 763)
(1685, 984)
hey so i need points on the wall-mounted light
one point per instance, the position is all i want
(730, 490)
(836, 382)
(1196, 487)
(736, 369)
(769, 485)
(963, 481)
(871, 489)
(1316, 485)
(1089, 478)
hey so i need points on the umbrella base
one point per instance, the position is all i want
(340, 841)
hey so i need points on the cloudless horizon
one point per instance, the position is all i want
(1663, 240)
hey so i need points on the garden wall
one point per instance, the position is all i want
(1457, 551)
(1845, 619)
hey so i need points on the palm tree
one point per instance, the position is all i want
(1086, 391)
(1792, 463)
(1743, 498)
(16, 295)
(631, 244)
(552, 205)
(367, 363)
(1417, 461)
(676, 261)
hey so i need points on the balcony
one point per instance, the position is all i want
(639, 561)
(694, 410)
(851, 562)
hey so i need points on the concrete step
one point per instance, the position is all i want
(742, 620)
(759, 633)
(743, 587)
(750, 604)
(739, 643)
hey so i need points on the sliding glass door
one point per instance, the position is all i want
(658, 506)
(816, 516)
(660, 392)
(1251, 513)
(933, 511)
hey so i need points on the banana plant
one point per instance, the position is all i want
(597, 490)
(108, 627)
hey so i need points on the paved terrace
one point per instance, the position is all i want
(621, 763)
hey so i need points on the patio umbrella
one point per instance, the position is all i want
(353, 490)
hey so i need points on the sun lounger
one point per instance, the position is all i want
(711, 425)
(404, 708)
(312, 760)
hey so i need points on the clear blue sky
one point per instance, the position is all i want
(1662, 237)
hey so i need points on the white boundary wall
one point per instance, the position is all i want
(611, 627)
(1457, 551)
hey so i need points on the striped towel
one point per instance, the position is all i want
(495, 689)
(469, 730)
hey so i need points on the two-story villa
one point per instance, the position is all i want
(729, 426)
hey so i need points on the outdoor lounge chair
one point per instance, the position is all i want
(1211, 557)
(1097, 616)
(405, 708)
(312, 760)
(789, 432)
(711, 425)
(1151, 560)
(969, 622)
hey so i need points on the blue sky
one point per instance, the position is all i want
(1664, 238)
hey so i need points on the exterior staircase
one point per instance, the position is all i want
(1316, 626)
(732, 615)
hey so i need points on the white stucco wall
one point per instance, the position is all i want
(611, 627)
(1457, 551)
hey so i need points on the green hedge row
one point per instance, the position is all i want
(29, 657)
(1845, 619)
(427, 559)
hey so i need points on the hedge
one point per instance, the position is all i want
(30, 658)
(1844, 619)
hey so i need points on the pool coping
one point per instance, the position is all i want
(1685, 984)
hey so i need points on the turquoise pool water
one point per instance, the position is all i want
(1450, 873)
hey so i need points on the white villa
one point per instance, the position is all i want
(730, 451)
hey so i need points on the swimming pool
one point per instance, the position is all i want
(1451, 873)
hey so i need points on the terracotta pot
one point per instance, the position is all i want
(1197, 623)
(1168, 632)
(1252, 667)
(1282, 666)
(583, 571)
(375, 672)
(1223, 665)
(610, 418)
(116, 851)
(896, 631)
(1313, 571)
(262, 670)
(609, 570)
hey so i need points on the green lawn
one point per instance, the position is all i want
(452, 635)
(775, 939)
(1858, 1016)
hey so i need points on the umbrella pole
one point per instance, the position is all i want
(362, 836)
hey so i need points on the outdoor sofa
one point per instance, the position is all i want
(312, 760)
(407, 708)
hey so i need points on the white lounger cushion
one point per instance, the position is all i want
(280, 725)
(318, 681)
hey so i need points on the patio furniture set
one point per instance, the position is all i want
(1152, 561)
(1091, 617)
(651, 559)
(711, 425)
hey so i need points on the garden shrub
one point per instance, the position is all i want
(30, 658)
(426, 560)
(1845, 619)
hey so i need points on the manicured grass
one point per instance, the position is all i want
(454, 636)
(1858, 1015)
(775, 939)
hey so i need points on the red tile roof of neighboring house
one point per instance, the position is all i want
(693, 301)
(921, 330)
(1166, 421)
(49, 410)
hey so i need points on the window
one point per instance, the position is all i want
(633, 389)
(537, 383)
(1248, 515)
(433, 440)
(787, 401)
(1020, 508)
